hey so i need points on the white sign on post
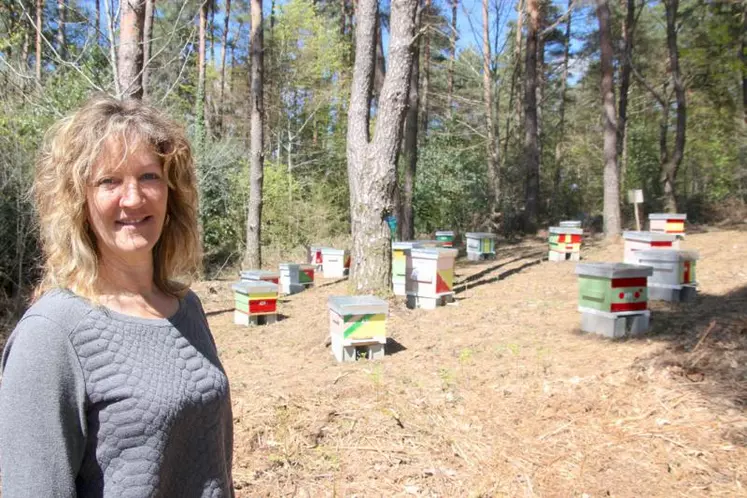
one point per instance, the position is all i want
(635, 197)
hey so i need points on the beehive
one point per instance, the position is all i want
(401, 265)
(667, 223)
(306, 275)
(255, 302)
(289, 278)
(642, 241)
(570, 224)
(613, 298)
(430, 243)
(674, 274)
(357, 327)
(264, 275)
(315, 257)
(480, 245)
(431, 281)
(565, 244)
(335, 262)
(446, 237)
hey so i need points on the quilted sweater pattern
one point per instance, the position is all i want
(156, 406)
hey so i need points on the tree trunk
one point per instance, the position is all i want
(514, 78)
(147, 41)
(98, 18)
(426, 79)
(625, 69)
(531, 140)
(452, 59)
(130, 59)
(561, 114)
(669, 174)
(253, 258)
(372, 167)
(487, 92)
(61, 21)
(380, 68)
(407, 215)
(222, 83)
(612, 224)
(200, 101)
(38, 45)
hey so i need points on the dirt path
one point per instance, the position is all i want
(499, 394)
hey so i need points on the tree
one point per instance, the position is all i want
(38, 46)
(490, 118)
(612, 225)
(222, 82)
(625, 70)
(561, 110)
(147, 42)
(253, 256)
(130, 60)
(371, 165)
(61, 22)
(531, 138)
(410, 153)
(200, 103)
(426, 72)
(452, 58)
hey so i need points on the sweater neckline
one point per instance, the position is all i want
(125, 318)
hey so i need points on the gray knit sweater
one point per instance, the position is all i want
(96, 403)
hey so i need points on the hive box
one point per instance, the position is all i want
(446, 237)
(255, 302)
(674, 274)
(667, 223)
(401, 265)
(480, 245)
(642, 241)
(357, 327)
(315, 257)
(430, 243)
(335, 262)
(613, 298)
(306, 275)
(570, 224)
(431, 281)
(565, 244)
(264, 275)
(289, 278)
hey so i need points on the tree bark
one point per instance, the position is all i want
(531, 140)
(561, 113)
(625, 69)
(426, 79)
(38, 44)
(222, 83)
(452, 59)
(253, 257)
(380, 68)
(487, 92)
(147, 41)
(130, 60)
(612, 223)
(669, 173)
(410, 152)
(372, 166)
(61, 21)
(514, 78)
(98, 18)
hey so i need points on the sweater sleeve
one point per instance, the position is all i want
(42, 412)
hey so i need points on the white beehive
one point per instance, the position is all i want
(431, 281)
(289, 278)
(401, 265)
(674, 274)
(357, 327)
(672, 223)
(335, 262)
(642, 241)
(480, 245)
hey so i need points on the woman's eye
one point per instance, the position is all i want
(105, 181)
(151, 176)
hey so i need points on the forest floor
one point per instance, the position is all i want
(499, 394)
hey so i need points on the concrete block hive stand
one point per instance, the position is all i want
(565, 244)
(643, 241)
(674, 274)
(431, 282)
(357, 327)
(480, 246)
(613, 298)
(255, 302)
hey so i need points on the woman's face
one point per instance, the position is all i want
(126, 200)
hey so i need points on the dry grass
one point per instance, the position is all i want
(499, 395)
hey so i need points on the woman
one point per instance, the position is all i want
(111, 381)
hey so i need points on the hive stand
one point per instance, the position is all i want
(613, 298)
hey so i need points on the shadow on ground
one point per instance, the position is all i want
(477, 279)
(707, 344)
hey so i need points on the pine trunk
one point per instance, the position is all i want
(669, 174)
(222, 83)
(61, 21)
(531, 140)
(487, 92)
(130, 59)
(200, 103)
(625, 70)
(38, 44)
(372, 166)
(426, 72)
(407, 213)
(561, 114)
(612, 224)
(253, 257)
(452, 59)
(147, 41)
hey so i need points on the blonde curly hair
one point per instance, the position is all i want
(63, 170)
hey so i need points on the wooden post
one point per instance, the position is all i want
(635, 197)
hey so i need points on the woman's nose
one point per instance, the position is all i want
(132, 195)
